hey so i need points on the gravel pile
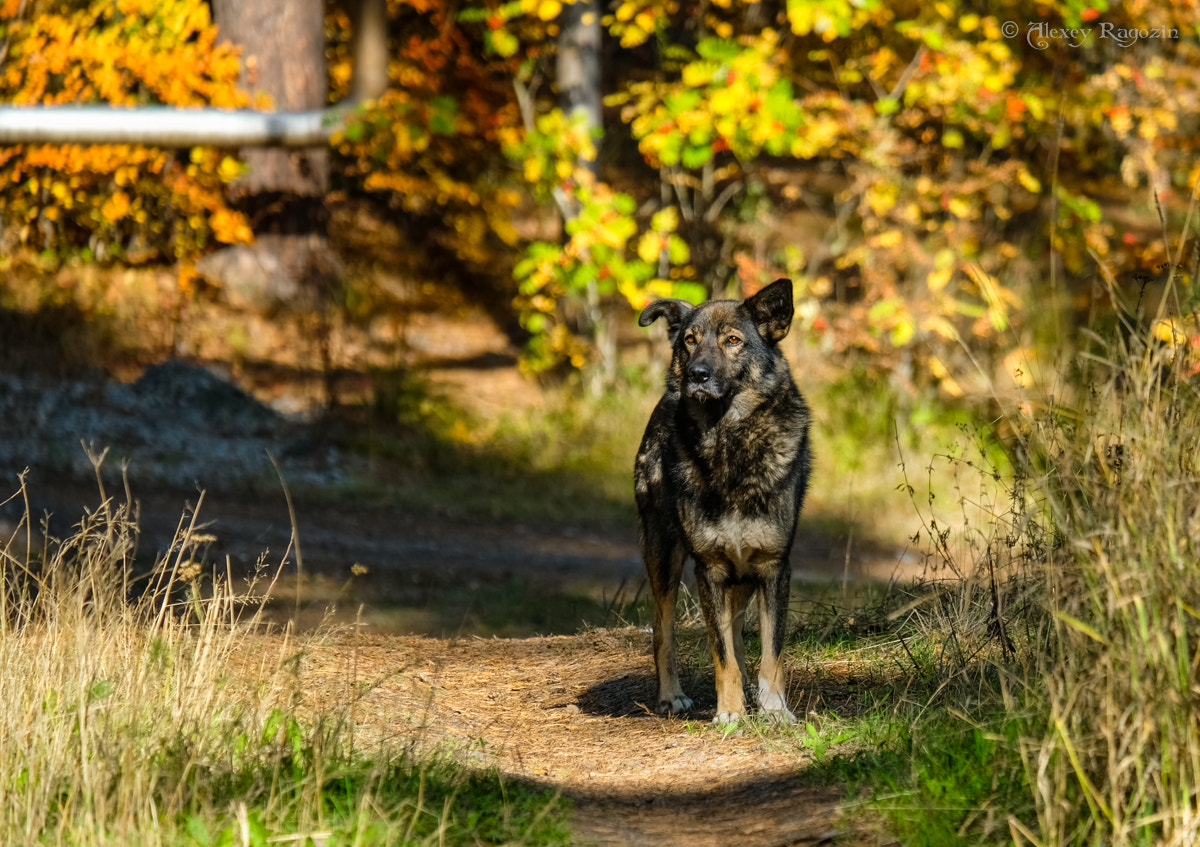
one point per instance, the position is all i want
(179, 425)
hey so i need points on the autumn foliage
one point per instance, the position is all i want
(119, 201)
(952, 158)
(923, 171)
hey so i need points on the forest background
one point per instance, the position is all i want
(934, 177)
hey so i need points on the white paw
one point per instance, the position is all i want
(774, 704)
(782, 716)
(674, 705)
(726, 718)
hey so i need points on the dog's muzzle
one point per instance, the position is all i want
(700, 382)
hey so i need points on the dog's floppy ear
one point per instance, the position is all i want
(772, 310)
(674, 311)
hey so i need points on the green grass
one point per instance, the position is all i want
(126, 720)
(568, 461)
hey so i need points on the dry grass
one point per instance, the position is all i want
(1119, 761)
(112, 708)
(1075, 611)
(140, 706)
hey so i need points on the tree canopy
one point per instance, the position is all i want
(917, 168)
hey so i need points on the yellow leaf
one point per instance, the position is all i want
(548, 10)
(1168, 332)
(649, 246)
(698, 74)
(937, 280)
(725, 100)
(903, 333)
(960, 207)
(1028, 181)
(115, 207)
(229, 169)
(665, 220)
(890, 238)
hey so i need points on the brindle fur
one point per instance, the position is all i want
(720, 477)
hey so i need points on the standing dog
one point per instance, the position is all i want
(720, 476)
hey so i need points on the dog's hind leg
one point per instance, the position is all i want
(664, 565)
(773, 610)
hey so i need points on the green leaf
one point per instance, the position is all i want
(883, 309)
(672, 147)
(682, 101)
(665, 220)
(271, 727)
(503, 42)
(718, 49)
(887, 106)
(695, 157)
(445, 114)
(693, 292)
(197, 831)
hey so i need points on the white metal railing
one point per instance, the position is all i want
(166, 126)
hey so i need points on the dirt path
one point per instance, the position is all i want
(565, 712)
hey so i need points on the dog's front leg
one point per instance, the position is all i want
(772, 696)
(721, 615)
(665, 567)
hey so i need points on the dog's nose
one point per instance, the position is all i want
(699, 373)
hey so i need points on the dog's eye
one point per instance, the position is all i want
(689, 339)
(733, 341)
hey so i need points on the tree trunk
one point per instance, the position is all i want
(578, 68)
(578, 72)
(283, 56)
(283, 193)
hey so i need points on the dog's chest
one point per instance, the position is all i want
(744, 463)
(743, 541)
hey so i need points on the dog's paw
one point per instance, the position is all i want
(727, 718)
(781, 716)
(674, 705)
(774, 705)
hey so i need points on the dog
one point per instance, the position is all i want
(721, 476)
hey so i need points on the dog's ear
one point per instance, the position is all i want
(674, 311)
(772, 310)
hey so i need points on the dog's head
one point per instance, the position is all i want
(723, 347)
